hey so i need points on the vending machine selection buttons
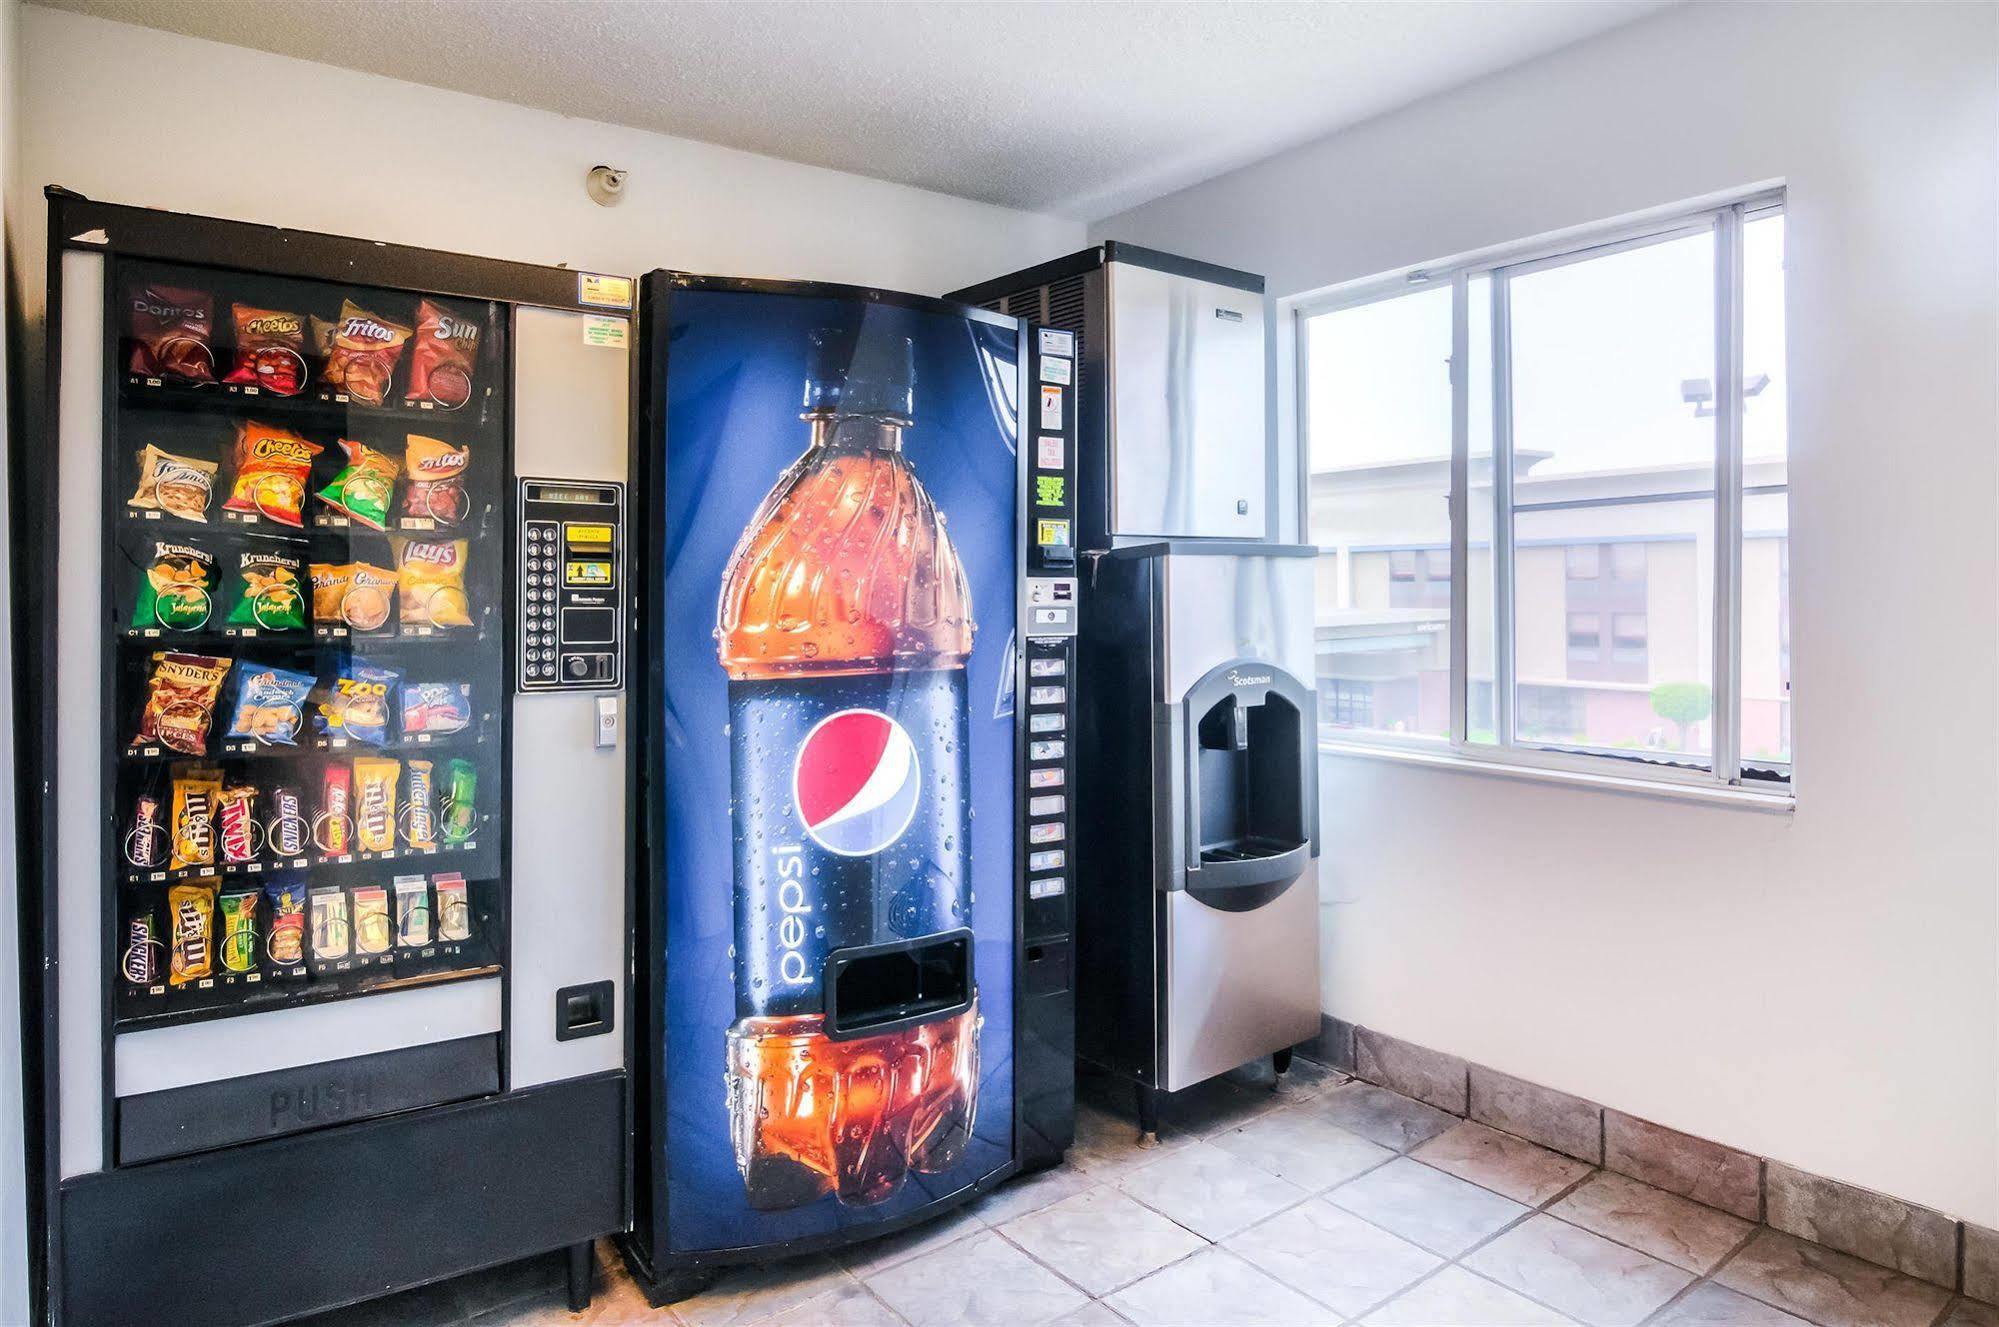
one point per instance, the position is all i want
(1046, 778)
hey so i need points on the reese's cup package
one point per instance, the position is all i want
(270, 350)
(284, 923)
(191, 917)
(332, 925)
(178, 589)
(356, 595)
(272, 466)
(375, 803)
(270, 703)
(239, 930)
(373, 931)
(437, 480)
(269, 592)
(446, 349)
(173, 333)
(197, 795)
(177, 485)
(413, 921)
(361, 352)
(365, 488)
(431, 581)
(180, 701)
(355, 704)
(436, 708)
(454, 909)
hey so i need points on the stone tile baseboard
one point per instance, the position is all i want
(1887, 1231)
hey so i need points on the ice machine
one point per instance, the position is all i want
(1196, 907)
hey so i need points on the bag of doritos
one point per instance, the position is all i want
(172, 334)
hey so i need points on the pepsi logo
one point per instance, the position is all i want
(856, 782)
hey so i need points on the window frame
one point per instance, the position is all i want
(1728, 773)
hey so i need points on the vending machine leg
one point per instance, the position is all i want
(582, 1266)
(1280, 1061)
(1148, 1115)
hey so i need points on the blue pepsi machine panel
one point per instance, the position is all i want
(841, 552)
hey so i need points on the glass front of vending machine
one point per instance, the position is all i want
(332, 918)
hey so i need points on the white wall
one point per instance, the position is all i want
(303, 145)
(291, 143)
(1820, 988)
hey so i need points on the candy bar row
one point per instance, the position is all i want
(206, 933)
(208, 821)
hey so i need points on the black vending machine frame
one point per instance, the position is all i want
(258, 1232)
(667, 1274)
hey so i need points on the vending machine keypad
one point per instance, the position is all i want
(571, 618)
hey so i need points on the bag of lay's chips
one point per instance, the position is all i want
(431, 582)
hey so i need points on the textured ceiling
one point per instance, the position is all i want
(1077, 108)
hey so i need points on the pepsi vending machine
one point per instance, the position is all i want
(845, 1028)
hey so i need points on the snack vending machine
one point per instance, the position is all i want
(845, 1009)
(325, 855)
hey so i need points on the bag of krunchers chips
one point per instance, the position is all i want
(272, 466)
(269, 595)
(361, 351)
(270, 351)
(447, 347)
(178, 589)
(172, 334)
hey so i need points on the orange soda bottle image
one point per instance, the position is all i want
(844, 625)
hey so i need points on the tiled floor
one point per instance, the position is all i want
(1306, 1201)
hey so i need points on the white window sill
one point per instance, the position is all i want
(1777, 802)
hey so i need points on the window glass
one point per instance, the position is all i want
(1377, 415)
(1765, 716)
(1613, 435)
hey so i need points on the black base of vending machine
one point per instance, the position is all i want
(850, 852)
(323, 901)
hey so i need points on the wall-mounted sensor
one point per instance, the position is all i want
(605, 185)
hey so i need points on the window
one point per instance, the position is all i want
(1380, 379)
(1551, 499)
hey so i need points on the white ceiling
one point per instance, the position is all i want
(1072, 107)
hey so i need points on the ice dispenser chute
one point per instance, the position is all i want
(1251, 807)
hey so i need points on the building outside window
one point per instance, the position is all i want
(1551, 500)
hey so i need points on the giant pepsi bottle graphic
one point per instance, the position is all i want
(844, 625)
